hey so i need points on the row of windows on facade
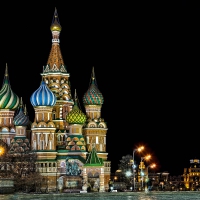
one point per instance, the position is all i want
(90, 140)
(46, 165)
(194, 174)
(194, 170)
(54, 164)
(61, 137)
(44, 146)
(57, 81)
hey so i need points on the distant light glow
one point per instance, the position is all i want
(128, 173)
(1, 150)
(133, 166)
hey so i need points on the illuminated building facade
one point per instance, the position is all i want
(61, 134)
(191, 175)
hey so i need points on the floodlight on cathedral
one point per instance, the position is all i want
(43, 96)
(8, 99)
(76, 116)
(93, 96)
(21, 119)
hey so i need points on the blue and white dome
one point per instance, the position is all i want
(43, 96)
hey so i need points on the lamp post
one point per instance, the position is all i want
(142, 166)
(137, 149)
(151, 166)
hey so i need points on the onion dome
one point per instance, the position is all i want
(21, 119)
(55, 26)
(8, 99)
(76, 116)
(19, 145)
(43, 96)
(93, 96)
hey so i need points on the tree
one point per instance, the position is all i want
(126, 169)
(20, 165)
(26, 177)
(5, 161)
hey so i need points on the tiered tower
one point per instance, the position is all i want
(20, 143)
(56, 77)
(43, 128)
(9, 102)
(75, 148)
(75, 144)
(95, 129)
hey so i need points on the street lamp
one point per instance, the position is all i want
(147, 157)
(151, 166)
(139, 150)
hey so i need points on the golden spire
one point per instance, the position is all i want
(25, 110)
(6, 70)
(76, 101)
(75, 95)
(21, 103)
(6, 77)
(93, 75)
(55, 61)
(55, 26)
(55, 13)
(75, 98)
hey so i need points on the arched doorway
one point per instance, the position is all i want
(94, 181)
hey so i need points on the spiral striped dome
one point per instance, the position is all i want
(21, 119)
(8, 99)
(93, 96)
(43, 96)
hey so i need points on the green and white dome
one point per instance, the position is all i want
(8, 99)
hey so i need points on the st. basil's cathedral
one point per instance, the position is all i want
(70, 145)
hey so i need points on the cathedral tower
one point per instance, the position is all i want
(95, 129)
(56, 77)
(43, 128)
(20, 143)
(75, 143)
(9, 102)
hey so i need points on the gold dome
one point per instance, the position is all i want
(55, 26)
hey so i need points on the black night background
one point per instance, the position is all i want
(146, 60)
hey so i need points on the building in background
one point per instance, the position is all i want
(191, 175)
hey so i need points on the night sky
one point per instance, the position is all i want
(146, 60)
